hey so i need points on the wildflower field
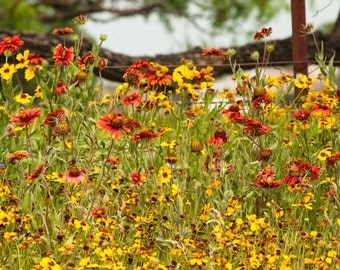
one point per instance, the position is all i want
(155, 174)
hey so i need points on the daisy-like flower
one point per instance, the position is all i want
(302, 115)
(169, 143)
(18, 155)
(25, 117)
(325, 152)
(332, 160)
(98, 211)
(86, 60)
(265, 178)
(61, 88)
(74, 175)
(114, 161)
(22, 59)
(63, 55)
(23, 98)
(144, 135)
(131, 99)
(54, 118)
(254, 128)
(220, 137)
(232, 112)
(214, 52)
(165, 173)
(7, 71)
(10, 44)
(62, 31)
(113, 124)
(136, 178)
(265, 32)
(36, 172)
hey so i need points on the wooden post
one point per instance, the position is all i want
(300, 56)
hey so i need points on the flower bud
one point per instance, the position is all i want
(196, 146)
(270, 47)
(255, 55)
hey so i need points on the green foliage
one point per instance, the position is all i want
(19, 15)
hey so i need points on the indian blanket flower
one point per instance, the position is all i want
(232, 112)
(74, 175)
(25, 117)
(18, 155)
(145, 135)
(332, 160)
(136, 178)
(86, 60)
(214, 52)
(10, 44)
(301, 172)
(61, 88)
(36, 172)
(260, 103)
(62, 31)
(98, 211)
(7, 71)
(266, 179)
(114, 124)
(63, 55)
(302, 115)
(254, 128)
(265, 32)
(131, 99)
(220, 137)
(54, 118)
(114, 161)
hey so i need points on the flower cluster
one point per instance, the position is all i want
(164, 171)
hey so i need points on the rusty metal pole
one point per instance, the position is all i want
(300, 56)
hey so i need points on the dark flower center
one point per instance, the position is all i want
(220, 133)
(74, 171)
(116, 123)
(23, 117)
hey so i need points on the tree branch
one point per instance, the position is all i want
(118, 63)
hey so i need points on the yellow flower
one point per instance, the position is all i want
(326, 122)
(23, 98)
(7, 71)
(324, 153)
(8, 236)
(79, 224)
(175, 191)
(22, 59)
(38, 92)
(157, 95)
(165, 173)
(49, 264)
(30, 71)
(169, 143)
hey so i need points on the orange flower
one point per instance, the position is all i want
(63, 55)
(214, 51)
(25, 117)
(18, 155)
(62, 31)
(74, 175)
(254, 128)
(145, 134)
(265, 32)
(115, 123)
(10, 44)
